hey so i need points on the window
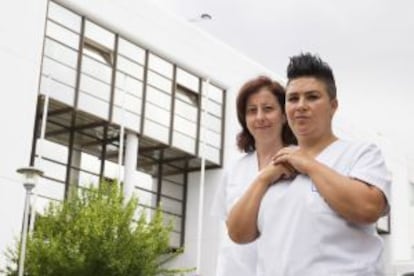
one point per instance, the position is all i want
(98, 52)
(186, 118)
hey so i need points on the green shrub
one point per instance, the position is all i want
(95, 233)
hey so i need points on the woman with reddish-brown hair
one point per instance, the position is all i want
(260, 112)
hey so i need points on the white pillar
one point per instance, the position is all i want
(205, 94)
(74, 173)
(131, 159)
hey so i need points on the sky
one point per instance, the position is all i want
(369, 44)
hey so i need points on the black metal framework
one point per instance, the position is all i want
(114, 83)
(73, 112)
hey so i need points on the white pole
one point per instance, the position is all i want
(31, 174)
(122, 131)
(202, 176)
(120, 153)
(24, 234)
(44, 116)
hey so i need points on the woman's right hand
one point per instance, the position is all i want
(273, 173)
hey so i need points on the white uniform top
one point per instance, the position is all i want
(235, 259)
(302, 235)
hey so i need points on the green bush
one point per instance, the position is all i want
(95, 233)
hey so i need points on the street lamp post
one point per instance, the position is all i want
(31, 176)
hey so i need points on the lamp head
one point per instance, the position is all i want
(30, 176)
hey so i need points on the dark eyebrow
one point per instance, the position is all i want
(292, 94)
(312, 92)
(306, 92)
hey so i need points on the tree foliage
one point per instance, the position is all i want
(95, 233)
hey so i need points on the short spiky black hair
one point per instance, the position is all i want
(308, 65)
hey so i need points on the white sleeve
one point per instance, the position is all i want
(218, 208)
(370, 167)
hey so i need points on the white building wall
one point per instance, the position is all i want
(21, 30)
(398, 246)
(21, 27)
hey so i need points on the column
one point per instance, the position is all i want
(131, 159)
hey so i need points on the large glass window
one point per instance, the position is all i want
(158, 99)
(186, 117)
(211, 126)
(61, 45)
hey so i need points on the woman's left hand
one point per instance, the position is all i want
(295, 157)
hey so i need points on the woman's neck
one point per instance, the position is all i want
(265, 152)
(317, 145)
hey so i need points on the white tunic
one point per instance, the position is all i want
(302, 235)
(234, 259)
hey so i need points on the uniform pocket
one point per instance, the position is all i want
(317, 203)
